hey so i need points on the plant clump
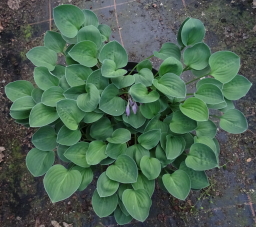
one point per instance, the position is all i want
(141, 125)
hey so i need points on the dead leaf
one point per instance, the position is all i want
(55, 224)
(2, 149)
(249, 160)
(67, 225)
(154, 5)
(1, 154)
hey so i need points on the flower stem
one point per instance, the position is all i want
(186, 68)
(139, 62)
(190, 94)
(191, 81)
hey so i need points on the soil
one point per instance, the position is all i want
(230, 200)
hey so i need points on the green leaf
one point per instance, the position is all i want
(171, 65)
(135, 120)
(59, 71)
(198, 179)
(181, 124)
(188, 139)
(39, 162)
(121, 218)
(195, 109)
(209, 81)
(155, 123)
(70, 41)
(175, 145)
(69, 113)
(90, 33)
(206, 128)
(192, 32)
(220, 105)
(37, 95)
(150, 110)
(171, 85)
(150, 167)
(74, 92)
(124, 170)
(63, 83)
(224, 65)
(197, 56)
(144, 76)
(115, 52)
(110, 103)
(179, 32)
(139, 93)
(87, 177)
(105, 30)
(161, 156)
(144, 64)
(149, 139)
(76, 75)
(201, 73)
(92, 117)
(104, 206)
(45, 138)
(96, 152)
(85, 53)
(68, 137)
(110, 70)
(90, 18)
(136, 152)
(114, 150)
(102, 129)
(201, 157)
(123, 81)
(78, 154)
(54, 41)
(233, 121)
(120, 135)
(105, 186)
(60, 151)
(43, 57)
(236, 88)
(52, 95)
(61, 183)
(168, 50)
(229, 105)
(210, 94)
(98, 80)
(44, 79)
(68, 19)
(137, 203)
(107, 161)
(18, 89)
(178, 184)
(42, 115)
(143, 183)
(89, 101)
(24, 103)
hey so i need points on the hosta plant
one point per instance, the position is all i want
(139, 124)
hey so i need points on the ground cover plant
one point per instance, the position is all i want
(139, 125)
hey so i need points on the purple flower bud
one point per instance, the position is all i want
(127, 110)
(135, 108)
(131, 101)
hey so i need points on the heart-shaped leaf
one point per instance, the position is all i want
(149, 139)
(44, 79)
(110, 103)
(175, 145)
(236, 88)
(43, 57)
(144, 183)
(229, 105)
(105, 30)
(177, 184)
(76, 75)
(59, 71)
(90, 18)
(87, 177)
(171, 65)
(123, 81)
(45, 138)
(224, 65)
(18, 89)
(192, 31)
(60, 151)
(85, 53)
(68, 137)
(110, 70)
(168, 50)
(233, 121)
(52, 95)
(60, 183)
(197, 56)
(150, 110)
(114, 150)
(201, 157)
(24, 103)
(137, 203)
(209, 93)
(124, 170)
(206, 128)
(115, 52)
(135, 120)
(195, 109)
(42, 115)
(136, 152)
(54, 41)
(139, 93)
(90, 33)
(104, 206)
(171, 85)
(209, 81)
(120, 217)
(98, 80)
(144, 64)
(69, 113)
(181, 124)
(74, 92)
(92, 117)
(105, 186)
(68, 19)
(120, 135)
(150, 167)
(101, 129)
(63, 83)
(144, 76)
(39, 162)
(37, 94)
(96, 152)
(179, 32)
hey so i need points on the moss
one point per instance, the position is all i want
(26, 31)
